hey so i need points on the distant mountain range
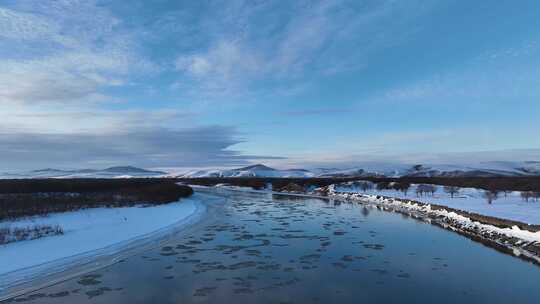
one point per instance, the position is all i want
(258, 170)
(111, 172)
(487, 169)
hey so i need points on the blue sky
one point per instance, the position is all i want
(290, 83)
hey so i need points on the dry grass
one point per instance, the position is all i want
(10, 235)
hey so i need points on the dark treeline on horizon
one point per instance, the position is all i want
(24, 197)
(27, 197)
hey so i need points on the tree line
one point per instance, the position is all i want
(430, 189)
(37, 197)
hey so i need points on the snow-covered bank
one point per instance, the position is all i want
(91, 230)
(514, 238)
(521, 242)
(508, 206)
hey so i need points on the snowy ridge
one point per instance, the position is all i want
(486, 169)
(112, 172)
(258, 170)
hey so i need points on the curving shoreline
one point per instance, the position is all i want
(35, 277)
(513, 238)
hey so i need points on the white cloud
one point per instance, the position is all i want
(223, 69)
(40, 81)
(197, 65)
(23, 26)
(63, 51)
(57, 118)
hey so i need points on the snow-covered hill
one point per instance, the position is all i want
(486, 169)
(258, 170)
(112, 172)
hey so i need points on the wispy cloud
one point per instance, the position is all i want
(35, 135)
(222, 69)
(491, 75)
(265, 46)
(377, 160)
(72, 70)
(59, 119)
(62, 58)
(316, 111)
(63, 51)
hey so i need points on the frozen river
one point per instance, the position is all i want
(264, 248)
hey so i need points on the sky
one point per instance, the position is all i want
(289, 83)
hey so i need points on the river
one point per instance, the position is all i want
(267, 248)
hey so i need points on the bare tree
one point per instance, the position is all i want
(452, 190)
(425, 189)
(402, 186)
(491, 195)
(383, 186)
(420, 190)
(526, 195)
(431, 189)
(536, 195)
(365, 185)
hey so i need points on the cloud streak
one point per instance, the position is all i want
(147, 147)
(66, 51)
(316, 111)
(265, 45)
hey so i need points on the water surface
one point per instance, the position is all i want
(262, 248)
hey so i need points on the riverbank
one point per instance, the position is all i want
(508, 205)
(516, 238)
(92, 238)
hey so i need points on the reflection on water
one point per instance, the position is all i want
(276, 249)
